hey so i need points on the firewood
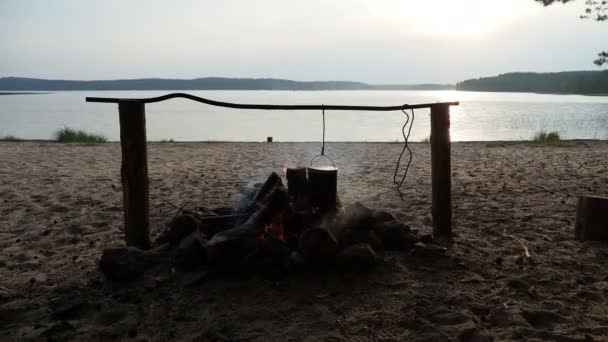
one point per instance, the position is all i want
(271, 258)
(180, 227)
(249, 206)
(224, 243)
(127, 263)
(318, 244)
(395, 235)
(592, 218)
(190, 254)
(357, 258)
(297, 182)
(353, 236)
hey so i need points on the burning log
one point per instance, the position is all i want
(237, 242)
(271, 258)
(211, 225)
(261, 197)
(318, 244)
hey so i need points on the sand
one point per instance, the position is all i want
(61, 205)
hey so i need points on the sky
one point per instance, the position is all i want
(380, 41)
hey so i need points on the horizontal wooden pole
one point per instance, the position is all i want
(268, 107)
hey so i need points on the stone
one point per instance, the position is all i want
(127, 263)
(352, 236)
(190, 254)
(383, 216)
(296, 261)
(357, 258)
(358, 216)
(428, 250)
(395, 235)
(426, 238)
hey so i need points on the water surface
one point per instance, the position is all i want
(480, 116)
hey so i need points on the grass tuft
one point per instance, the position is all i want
(70, 135)
(543, 137)
(10, 138)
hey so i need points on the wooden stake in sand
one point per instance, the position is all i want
(134, 172)
(441, 171)
(592, 218)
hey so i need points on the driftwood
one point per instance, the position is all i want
(592, 218)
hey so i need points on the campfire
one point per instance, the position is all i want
(274, 230)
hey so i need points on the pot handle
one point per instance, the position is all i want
(322, 155)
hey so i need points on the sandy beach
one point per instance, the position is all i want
(61, 205)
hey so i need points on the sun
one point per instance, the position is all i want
(459, 17)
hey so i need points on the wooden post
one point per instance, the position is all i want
(441, 171)
(592, 218)
(134, 172)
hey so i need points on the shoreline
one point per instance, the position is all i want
(568, 142)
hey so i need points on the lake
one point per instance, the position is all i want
(480, 116)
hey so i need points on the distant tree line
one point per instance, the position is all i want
(575, 82)
(208, 83)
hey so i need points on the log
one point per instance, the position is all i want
(271, 258)
(357, 258)
(248, 207)
(134, 172)
(224, 245)
(318, 245)
(124, 264)
(592, 218)
(190, 254)
(395, 235)
(297, 183)
(180, 227)
(441, 171)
